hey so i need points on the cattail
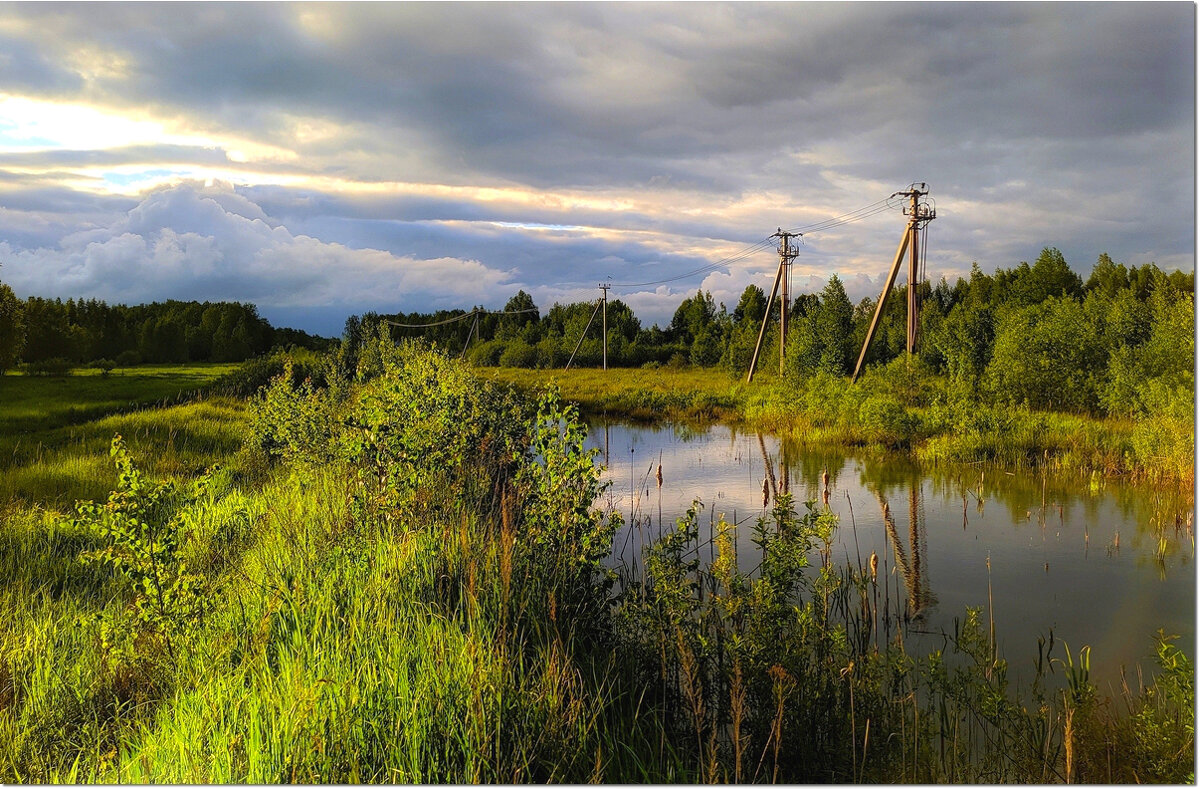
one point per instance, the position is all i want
(825, 478)
(874, 566)
(659, 475)
(766, 492)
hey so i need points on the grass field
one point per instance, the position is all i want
(55, 431)
(29, 404)
(642, 395)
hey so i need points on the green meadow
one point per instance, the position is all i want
(55, 431)
(397, 573)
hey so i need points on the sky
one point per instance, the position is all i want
(324, 160)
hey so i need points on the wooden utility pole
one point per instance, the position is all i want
(604, 287)
(920, 213)
(913, 246)
(787, 253)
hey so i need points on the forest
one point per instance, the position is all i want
(1040, 335)
(51, 335)
(1117, 344)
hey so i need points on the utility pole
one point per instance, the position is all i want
(920, 213)
(787, 253)
(604, 286)
(913, 230)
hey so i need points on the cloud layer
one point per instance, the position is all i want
(418, 154)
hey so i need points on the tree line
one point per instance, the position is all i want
(1039, 335)
(40, 332)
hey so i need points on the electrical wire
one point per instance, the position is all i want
(734, 258)
(872, 209)
(464, 316)
(878, 207)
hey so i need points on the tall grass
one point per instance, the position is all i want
(900, 407)
(413, 591)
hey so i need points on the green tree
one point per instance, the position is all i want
(692, 316)
(1108, 277)
(965, 342)
(1046, 356)
(834, 328)
(750, 307)
(526, 315)
(12, 328)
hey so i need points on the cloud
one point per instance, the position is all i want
(552, 146)
(202, 242)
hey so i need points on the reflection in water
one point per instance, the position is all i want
(917, 585)
(965, 530)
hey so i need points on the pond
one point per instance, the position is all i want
(1099, 563)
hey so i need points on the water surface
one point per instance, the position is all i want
(1078, 556)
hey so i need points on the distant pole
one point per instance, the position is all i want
(582, 335)
(474, 325)
(787, 253)
(604, 320)
(879, 305)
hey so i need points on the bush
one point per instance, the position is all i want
(887, 421)
(57, 366)
(128, 358)
(519, 354)
(252, 375)
(486, 354)
(105, 366)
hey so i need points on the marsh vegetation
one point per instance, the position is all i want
(404, 573)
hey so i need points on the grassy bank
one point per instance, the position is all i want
(416, 592)
(896, 408)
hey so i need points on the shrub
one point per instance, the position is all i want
(300, 365)
(139, 528)
(105, 366)
(57, 366)
(128, 358)
(519, 353)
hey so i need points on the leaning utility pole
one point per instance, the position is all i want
(920, 213)
(787, 253)
(604, 287)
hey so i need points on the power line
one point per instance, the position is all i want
(464, 316)
(878, 207)
(735, 258)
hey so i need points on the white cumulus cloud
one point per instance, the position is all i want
(196, 241)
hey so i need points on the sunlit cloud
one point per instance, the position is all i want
(555, 148)
(28, 124)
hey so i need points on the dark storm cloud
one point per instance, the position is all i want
(566, 94)
(1035, 124)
